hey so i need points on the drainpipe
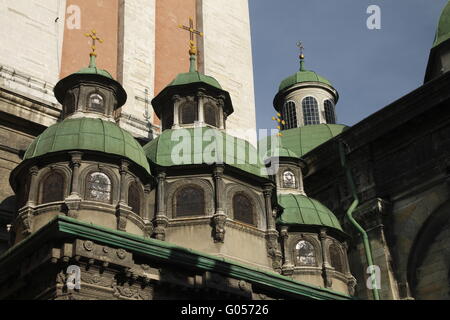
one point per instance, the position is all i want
(350, 210)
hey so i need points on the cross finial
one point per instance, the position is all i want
(94, 37)
(301, 56)
(192, 32)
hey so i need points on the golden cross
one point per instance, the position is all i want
(94, 37)
(192, 32)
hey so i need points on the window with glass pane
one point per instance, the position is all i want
(95, 102)
(188, 113)
(98, 187)
(310, 111)
(336, 258)
(210, 114)
(305, 253)
(134, 199)
(289, 115)
(53, 188)
(330, 117)
(243, 209)
(190, 201)
(289, 179)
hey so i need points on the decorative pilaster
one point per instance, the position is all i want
(271, 234)
(25, 215)
(148, 229)
(220, 218)
(33, 194)
(222, 115)
(201, 101)
(161, 220)
(327, 270)
(74, 199)
(123, 210)
(288, 267)
(176, 99)
(351, 280)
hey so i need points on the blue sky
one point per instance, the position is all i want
(369, 68)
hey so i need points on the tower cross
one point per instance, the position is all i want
(192, 33)
(94, 37)
(300, 46)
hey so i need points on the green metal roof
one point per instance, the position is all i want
(165, 150)
(88, 134)
(302, 140)
(92, 69)
(443, 29)
(194, 77)
(302, 210)
(302, 76)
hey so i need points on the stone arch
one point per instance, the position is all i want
(140, 188)
(205, 185)
(341, 255)
(44, 173)
(313, 241)
(259, 213)
(436, 223)
(115, 186)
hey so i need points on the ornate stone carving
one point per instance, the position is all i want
(88, 245)
(219, 222)
(160, 230)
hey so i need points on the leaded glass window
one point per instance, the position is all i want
(210, 114)
(290, 115)
(188, 113)
(98, 187)
(330, 116)
(243, 209)
(190, 201)
(336, 258)
(310, 111)
(289, 180)
(134, 199)
(53, 188)
(305, 254)
(95, 103)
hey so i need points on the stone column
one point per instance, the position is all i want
(161, 220)
(73, 201)
(222, 117)
(148, 229)
(34, 187)
(273, 249)
(176, 99)
(219, 219)
(326, 266)
(25, 215)
(201, 112)
(123, 210)
(288, 266)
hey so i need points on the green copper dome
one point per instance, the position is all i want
(302, 76)
(88, 134)
(302, 210)
(167, 150)
(92, 69)
(302, 140)
(194, 77)
(443, 30)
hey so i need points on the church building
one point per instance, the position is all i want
(126, 173)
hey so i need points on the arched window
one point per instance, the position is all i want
(336, 258)
(98, 187)
(310, 111)
(290, 115)
(330, 117)
(305, 254)
(95, 103)
(134, 199)
(190, 201)
(188, 113)
(69, 103)
(243, 208)
(52, 188)
(210, 114)
(289, 180)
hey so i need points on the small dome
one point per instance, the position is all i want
(303, 76)
(95, 70)
(88, 134)
(443, 30)
(194, 77)
(302, 210)
(243, 156)
(302, 140)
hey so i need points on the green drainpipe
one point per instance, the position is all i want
(350, 210)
